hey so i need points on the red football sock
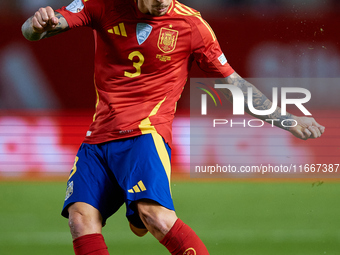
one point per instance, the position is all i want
(92, 244)
(182, 240)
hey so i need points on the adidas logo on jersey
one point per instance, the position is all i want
(137, 188)
(118, 30)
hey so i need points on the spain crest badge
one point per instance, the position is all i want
(167, 40)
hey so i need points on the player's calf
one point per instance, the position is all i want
(182, 240)
(176, 236)
(157, 219)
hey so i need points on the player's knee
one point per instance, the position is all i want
(84, 220)
(156, 218)
(77, 223)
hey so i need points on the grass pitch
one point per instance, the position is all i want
(238, 218)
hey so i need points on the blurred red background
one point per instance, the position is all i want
(47, 95)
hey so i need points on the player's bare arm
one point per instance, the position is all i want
(306, 127)
(44, 23)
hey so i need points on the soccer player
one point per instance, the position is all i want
(143, 53)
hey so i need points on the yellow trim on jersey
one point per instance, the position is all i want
(179, 9)
(171, 6)
(188, 11)
(209, 27)
(145, 125)
(163, 155)
(97, 102)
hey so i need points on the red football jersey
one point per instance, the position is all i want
(142, 64)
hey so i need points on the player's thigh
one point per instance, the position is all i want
(92, 183)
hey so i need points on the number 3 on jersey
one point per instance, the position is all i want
(136, 65)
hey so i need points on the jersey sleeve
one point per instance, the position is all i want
(207, 51)
(81, 13)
